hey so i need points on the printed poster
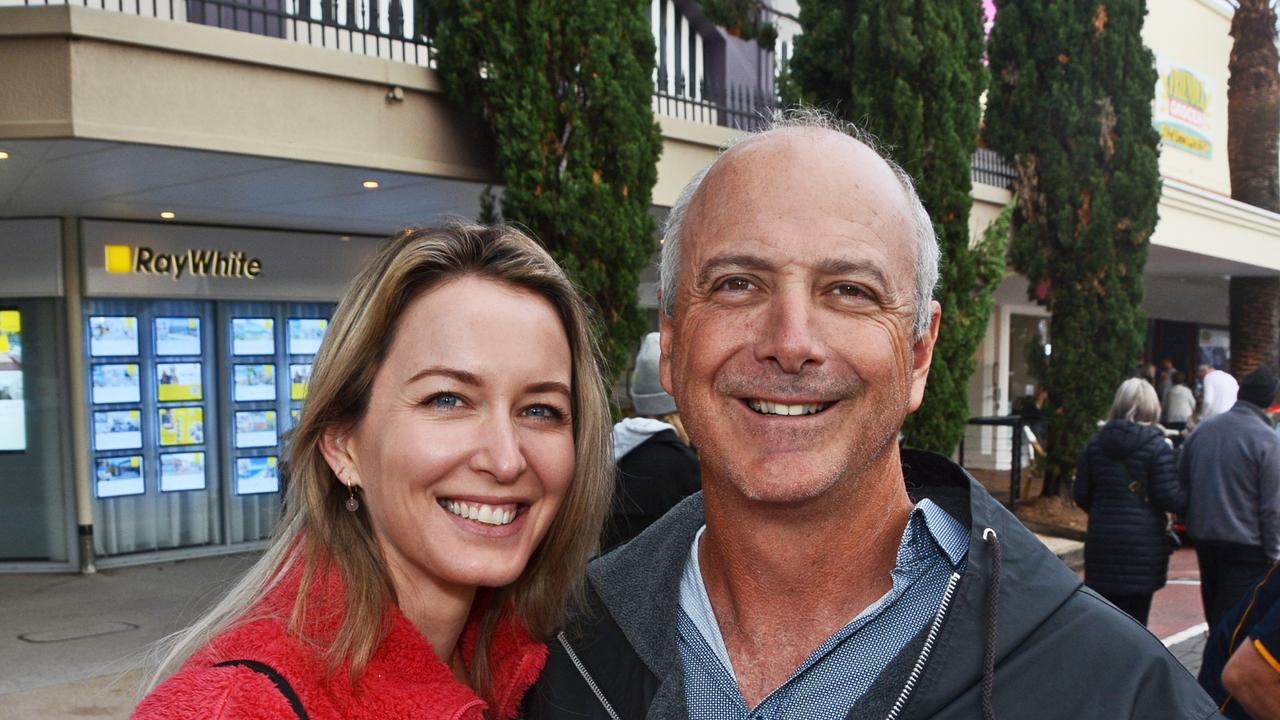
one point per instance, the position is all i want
(13, 407)
(256, 428)
(253, 336)
(182, 425)
(305, 335)
(117, 476)
(177, 336)
(256, 475)
(299, 378)
(113, 336)
(254, 382)
(179, 381)
(116, 383)
(182, 471)
(117, 429)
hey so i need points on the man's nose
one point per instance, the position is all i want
(791, 336)
(500, 454)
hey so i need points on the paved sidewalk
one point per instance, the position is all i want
(71, 645)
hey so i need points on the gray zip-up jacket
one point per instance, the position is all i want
(1230, 467)
(1060, 651)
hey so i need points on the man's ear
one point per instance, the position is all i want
(922, 356)
(664, 343)
(336, 448)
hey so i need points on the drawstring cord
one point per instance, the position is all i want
(993, 610)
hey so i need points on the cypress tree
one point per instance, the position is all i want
(911, 72)
(564, 86)
(1070, 105)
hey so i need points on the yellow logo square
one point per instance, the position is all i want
(119, 258)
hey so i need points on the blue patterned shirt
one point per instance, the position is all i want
(832, 679)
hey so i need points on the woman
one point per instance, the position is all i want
(1127, 481)
(450, 473)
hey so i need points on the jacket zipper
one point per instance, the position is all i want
(929, 640)
(591, 683)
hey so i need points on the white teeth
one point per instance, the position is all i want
(766, 407)
(487, 514)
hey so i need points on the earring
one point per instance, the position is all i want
(352, 503)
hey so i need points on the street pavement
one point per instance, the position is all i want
(74, 646)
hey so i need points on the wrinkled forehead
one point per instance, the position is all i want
(804, 173)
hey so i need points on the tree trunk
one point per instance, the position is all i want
(1253, 132)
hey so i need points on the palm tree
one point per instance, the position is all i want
(1253, 134)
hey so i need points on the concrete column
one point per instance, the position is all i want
(83, 479)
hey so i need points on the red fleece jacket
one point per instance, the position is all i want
(404, 678)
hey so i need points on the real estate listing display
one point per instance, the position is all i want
(116, 383)
(299, 378)
(254, 382)
(256, 428)
(182, 471)
(182, 425)
(305, 335)
(177, 336)
(113, 336)
(117, 476)
(117, 429)
(13, 406)
(257, 475)
(253, 336)
(179, 381)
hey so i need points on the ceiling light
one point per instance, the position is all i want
(4, 155)
(168, 215)
(344, 238)
(371, 184)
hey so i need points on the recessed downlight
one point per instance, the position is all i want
(371, 184)
(168, 215)
(4, 155)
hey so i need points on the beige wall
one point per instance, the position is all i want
(1193, 34)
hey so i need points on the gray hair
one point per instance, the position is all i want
(926, 241)
(1135, 401)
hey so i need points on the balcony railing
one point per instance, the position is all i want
(378, 28)
(738, 107)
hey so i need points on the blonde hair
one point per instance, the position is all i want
(1135, 401)
(316, 529)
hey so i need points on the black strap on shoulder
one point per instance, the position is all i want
(281, 684)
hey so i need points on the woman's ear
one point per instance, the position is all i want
(337, 452)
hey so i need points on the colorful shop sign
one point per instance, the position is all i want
(1183, 113)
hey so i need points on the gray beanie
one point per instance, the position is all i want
(647, 394)
(1259, 387)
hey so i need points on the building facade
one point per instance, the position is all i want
(186, 187)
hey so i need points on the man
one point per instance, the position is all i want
(821, 574)
(1178, 402)
(656, 466)
(1240, 669)
(1219, 394)
(1230, 466)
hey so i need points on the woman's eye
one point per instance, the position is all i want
(443, 401)
(546, 412)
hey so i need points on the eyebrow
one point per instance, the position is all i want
(462, 376)
(830, 266)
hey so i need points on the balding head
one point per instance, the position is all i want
(880, 186)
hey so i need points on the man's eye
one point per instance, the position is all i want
(850, 290)
(736, 284)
